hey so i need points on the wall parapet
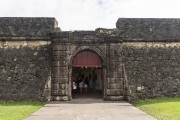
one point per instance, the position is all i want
(27, 26)
(149, 28)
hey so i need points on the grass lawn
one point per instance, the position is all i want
(161, 108)
(18, 110)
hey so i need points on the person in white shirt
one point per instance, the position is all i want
(74, 89)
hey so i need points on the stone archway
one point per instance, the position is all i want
(88, 60)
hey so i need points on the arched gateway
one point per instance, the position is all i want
(87, 73)
(94, 61)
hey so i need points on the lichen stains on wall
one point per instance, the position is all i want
(18, 44)
(152, 44)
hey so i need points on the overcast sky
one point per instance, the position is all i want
(90, 14)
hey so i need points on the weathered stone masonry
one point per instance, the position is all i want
(140, 58)
(152, 69)
(151, 56)
(25, 69)
(25, 50)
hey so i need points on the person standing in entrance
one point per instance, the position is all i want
(81, 85)
(94, 85)
(74, 89)
(86, 85)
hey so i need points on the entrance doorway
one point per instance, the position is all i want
(87, 75)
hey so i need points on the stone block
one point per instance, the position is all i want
(111, 80)
(55, 80)
(119, 64)
(120, 80)
(56, 53)
(55, 86)
(46, 92)
(59, 74)
(63, 74)
(64, 69)
(56, 47)
(55, 92)
(62, 92)
(63, 53)
(63, 62)
(114, 98)
(116, 74)
(111, 54)
(63, 80)
(55, 58)
(114, 91)
(55, 69)
(64, 58)
(115, 80)
(60, 98)
(55, 63)
(55, 72)
(115, 86)
(63, 86)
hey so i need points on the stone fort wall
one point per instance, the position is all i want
(150, 56)
(25, 49)
(24, 70)
(140, 58)
(152, 68)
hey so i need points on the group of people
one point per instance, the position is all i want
(82, 85)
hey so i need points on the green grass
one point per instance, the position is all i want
(18, 110)
(161, 108)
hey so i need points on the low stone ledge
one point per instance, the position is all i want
(60, 98)
(114, 98)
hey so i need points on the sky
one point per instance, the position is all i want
(90, 14)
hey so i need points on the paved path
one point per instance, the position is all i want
(89, 109)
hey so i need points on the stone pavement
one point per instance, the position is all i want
(89, 109)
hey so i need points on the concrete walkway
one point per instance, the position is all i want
(89, 109)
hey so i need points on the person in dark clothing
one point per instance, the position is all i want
(94, 84)
(86, 84)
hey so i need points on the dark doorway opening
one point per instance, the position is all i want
(87, 75)
(89, 82)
